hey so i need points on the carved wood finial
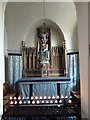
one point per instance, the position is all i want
(64, 44)
(23, 44)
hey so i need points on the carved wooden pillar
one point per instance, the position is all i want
(60, 57)
(24, 58)
(50, 49)
(63, 61)
(31, 58)
(35, 58)
(34, 55)
(57, 58)
(65, 58)
(37, 54)
(52, 58)
(30, 55)
(54, 61)
(27, 53)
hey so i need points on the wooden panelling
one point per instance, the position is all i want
(31, 63)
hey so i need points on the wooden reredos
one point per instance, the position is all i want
(43, 60)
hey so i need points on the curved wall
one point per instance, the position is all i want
(30, 36)
(22, 16)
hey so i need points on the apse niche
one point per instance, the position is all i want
(57, 37)
(45, 40)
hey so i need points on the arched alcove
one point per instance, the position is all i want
(30, 36)
(19, 18)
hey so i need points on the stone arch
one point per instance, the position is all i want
(57, 36)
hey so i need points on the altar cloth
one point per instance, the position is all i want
(44, 86)
(45, 79)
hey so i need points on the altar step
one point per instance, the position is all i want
(41, 113)
(43, 118)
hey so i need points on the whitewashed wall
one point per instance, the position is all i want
(22, 16)
(82, 15)
(89, 59)
(2, 63)
(30, 36)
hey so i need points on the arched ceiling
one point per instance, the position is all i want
(57, 37)
(20, 16)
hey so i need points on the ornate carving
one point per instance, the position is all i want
(44, 60)
(43, 34)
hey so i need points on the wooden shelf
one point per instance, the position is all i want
(6, 97)
(75, 94)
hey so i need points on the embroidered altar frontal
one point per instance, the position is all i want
(44, 86)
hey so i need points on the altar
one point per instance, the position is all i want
(43, 92)
(44, 68)
(44, 86)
